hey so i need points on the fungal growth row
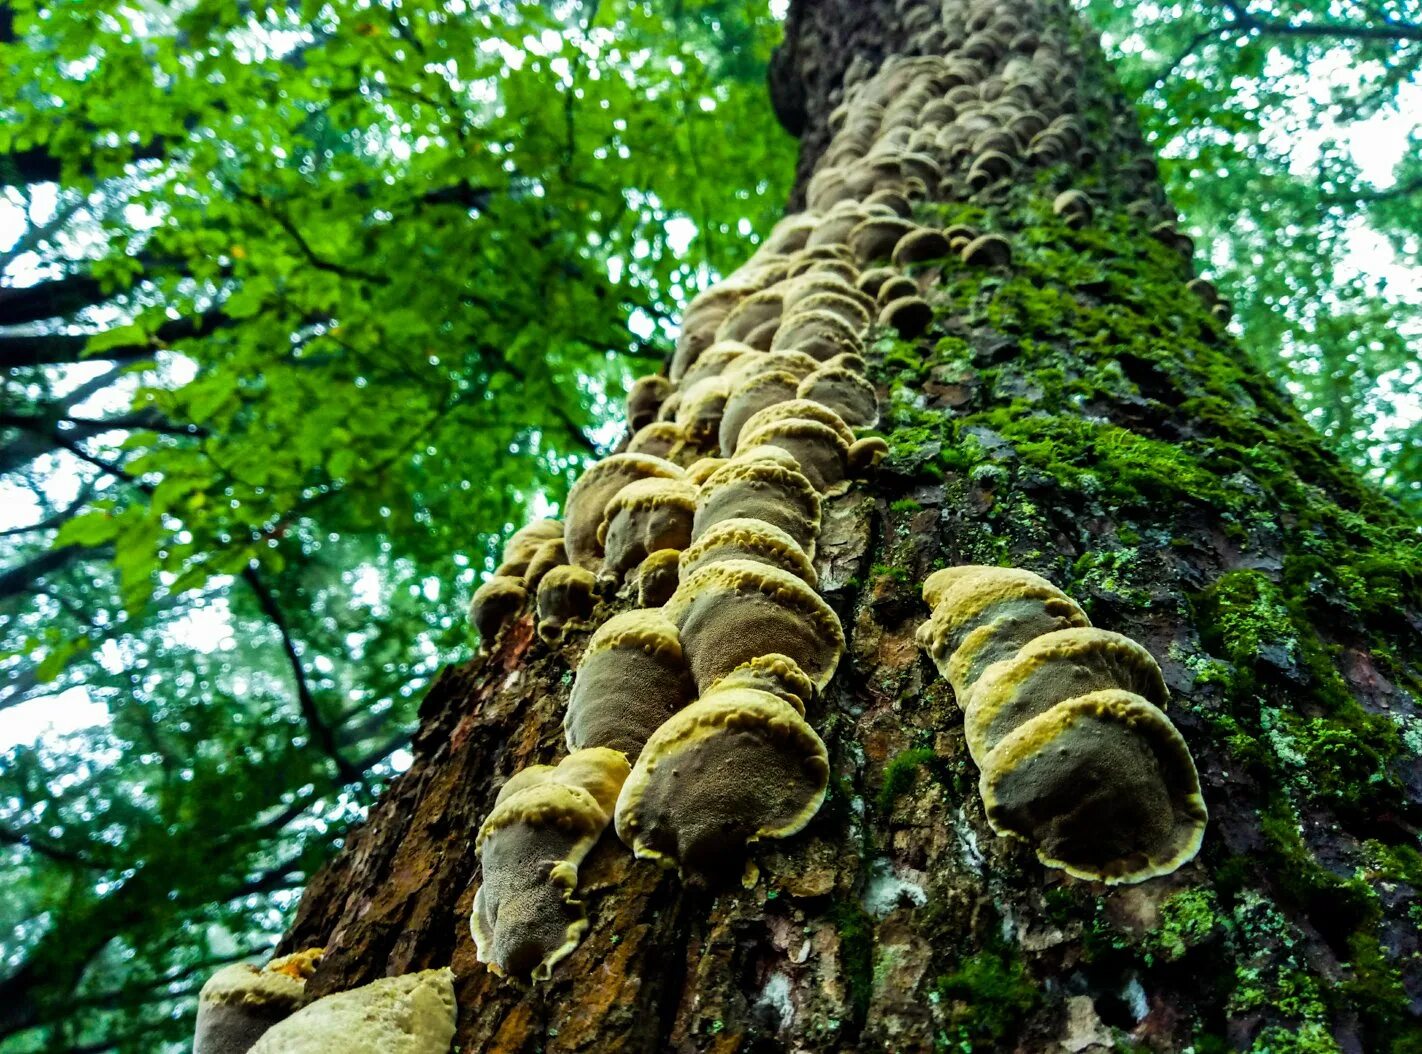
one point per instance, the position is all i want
(1066, 723)
(681, 582)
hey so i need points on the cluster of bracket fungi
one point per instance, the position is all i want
(686, 726)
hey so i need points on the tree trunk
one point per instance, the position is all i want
(1081, 413)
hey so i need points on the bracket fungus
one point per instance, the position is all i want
(631, 678)
(748, 398)
(411, 1014)
(566, 598)
(544, 822)
(642, 517)
(658, 439)
(496, 601)
(987, 250)
(908, 316)
(820, 450)
(760, 489)
(845, 391)
(657, 578)
(774, 673)
(1066, 724)
(747, 539)
(524, 543)
(587, 501)
(645, 398)
(736, 766)
(240, 1002)
(729, 611)
(819, 334)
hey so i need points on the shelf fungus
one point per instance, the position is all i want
(908, 316)
(631, 678)
(729, 611)
(657, 578)
(240, 1002)
(749, 397)
(411, 1014)
(642, 517)
(524, 543)
(659, 439)
(587, 501)
(737, 766)
(819, 334)
(495, 602)
(645, 398)
(844, 390)
(747, 539)
(566, 598)
(774, 673)
(1067, 726)
(544, 822)
(760, 489)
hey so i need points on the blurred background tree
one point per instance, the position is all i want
(306, 305)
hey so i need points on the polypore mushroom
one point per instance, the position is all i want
(984, 614)
(566, 598)
(544, 821)
(774, 673)
(1102, 786)
(631, 678)
(747, 539)
(845, 391)
(523, 543)
(875, 238)
(749, 397)
(729, 611)
(819, 334)
(760, 489)
(547, 556)
(908, 316)
(642, 517)
(499, 599)
(715, 361)
(822, 454)
(988, 250)
(241, 1002)
(1049, 669)
(644, 398)
(735, 767)
(657, 578)
(659, 439)
(410, 1014)
(919, 245)
(588, 499)
(1074, 207)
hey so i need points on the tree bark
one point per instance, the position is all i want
(1082, 413)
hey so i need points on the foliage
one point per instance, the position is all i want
(308, 303)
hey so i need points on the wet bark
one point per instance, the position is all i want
(1082, 413)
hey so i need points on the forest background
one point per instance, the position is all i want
(304, 307)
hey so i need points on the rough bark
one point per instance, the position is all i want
(1082, 414)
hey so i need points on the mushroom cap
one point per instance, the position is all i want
(865, 454)
(984, 614)
(701, 469)
(587, 501)
(657, 578)
(774, 673)
(895, 288)
(497, 600)
(919, 245)
(801, 409)
(642, 517)
(730, 611)
(821, 452)
(523, 543)
(1102, 786)
(730, 769)
(544, 821)
(819, 334)
(768, 453)
(839, 299)
(658, 439)
(410, 1014)
(749, 397)
(845, 391)
(240, 1002)
(750, 314)
(871, 280)
(714, 361)
(566, 598)
(988, 250)
(760, 490)
(644, 397)
(547, 556)
(1049, 669)
(748, 539)
(785, 360)
(908, 316)
(875, 238)
(632, 677)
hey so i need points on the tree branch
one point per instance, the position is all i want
(49, 349)
(1388, 30)
(321, 732)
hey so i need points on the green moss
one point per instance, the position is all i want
(1187, 918)
(899, 774)
(1311, 1038)
(989, 996)
(856, 937)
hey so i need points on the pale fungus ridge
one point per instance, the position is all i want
(631, 678)
(587, 501)
(545, 820)
(239, 1003)
(1066, 723)
(410, 1014)
(643, 517)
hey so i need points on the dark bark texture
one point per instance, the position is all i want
(1083, 412)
